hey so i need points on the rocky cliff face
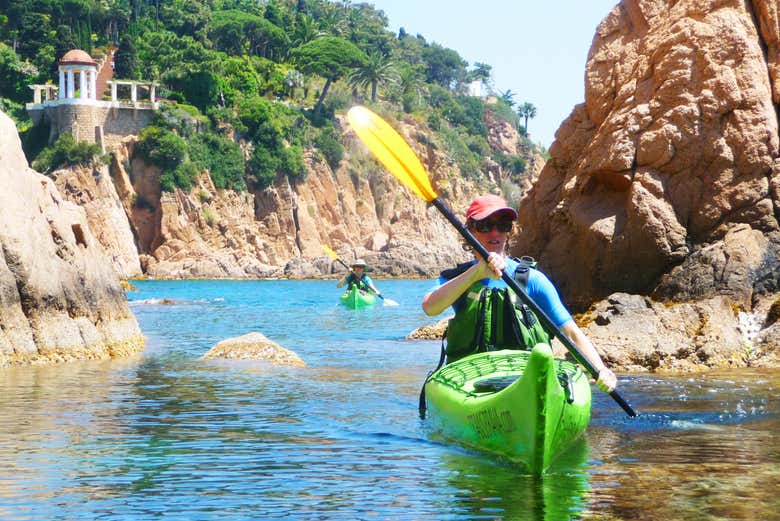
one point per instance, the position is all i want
(93, 190)
(667, 179)
(666, 183)
(60, 298)
(358, 209)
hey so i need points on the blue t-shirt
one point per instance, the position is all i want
(539, 288)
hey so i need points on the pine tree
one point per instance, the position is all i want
(126, 60)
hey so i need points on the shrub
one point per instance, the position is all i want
(182, 177)
(240, 76)
(201, 88)
(472, 114)
(515, 164)
(328, 142)
(293, 164)
(35, 138)
(434, 121)
(161, 147)
(221, 157)
(272, 123)
(66, 151)
(209, 216)
(185, 119)
(279, 134)
(457, 147)
(263, 166)
(502, 111)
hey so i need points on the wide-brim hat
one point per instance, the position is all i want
(486, 205)
(359, 262)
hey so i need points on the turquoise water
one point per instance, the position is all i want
(164, 435)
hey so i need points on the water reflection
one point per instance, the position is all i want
(489, 489)
(705, 449)
(165, 435)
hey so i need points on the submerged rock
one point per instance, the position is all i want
(254, 346)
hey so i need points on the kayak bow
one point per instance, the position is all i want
(526, 407)
(355, 298)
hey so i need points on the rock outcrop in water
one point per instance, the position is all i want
(674, 152)
(60, 298)
(254, 346)
(666, 181)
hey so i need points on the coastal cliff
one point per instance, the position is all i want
(656, 214)
(665, 183)
(674, 151)
(357, 209)
(60, 298)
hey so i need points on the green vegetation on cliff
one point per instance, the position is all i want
(270, 74)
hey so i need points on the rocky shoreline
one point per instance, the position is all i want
(633, 333)
(657, 214)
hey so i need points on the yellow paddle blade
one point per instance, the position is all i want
(391, 150)
(330, 252)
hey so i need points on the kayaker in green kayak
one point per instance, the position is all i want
(357, 277)
(488, 315)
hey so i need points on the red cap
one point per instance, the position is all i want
(486, 205)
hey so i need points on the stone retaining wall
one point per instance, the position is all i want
(83, 122)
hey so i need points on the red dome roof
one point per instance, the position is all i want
(77, 56)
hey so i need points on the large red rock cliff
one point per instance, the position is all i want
(666, 180)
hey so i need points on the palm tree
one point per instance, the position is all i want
(306, 30)
(526, 111)
(412, 86)
(378, 69)
(293, 79)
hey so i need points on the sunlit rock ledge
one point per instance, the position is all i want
(60, 298)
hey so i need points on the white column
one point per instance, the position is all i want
(151, 92)
(93, 84)
(82, 84)
(61, 91)
(71, 85)
(133, 92)
(113, 91)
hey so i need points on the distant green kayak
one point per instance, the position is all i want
(524, 406)
(354, 298)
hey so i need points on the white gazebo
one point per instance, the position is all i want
(78, 62)
(77, 106)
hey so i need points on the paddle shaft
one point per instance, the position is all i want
(512, 283)
(350, 269)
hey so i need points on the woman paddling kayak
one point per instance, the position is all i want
(488, 315)
(357, 277)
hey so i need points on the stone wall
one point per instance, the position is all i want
(81, 120)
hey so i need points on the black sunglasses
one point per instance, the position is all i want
(486, 226)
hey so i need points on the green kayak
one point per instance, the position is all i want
(355, 298)
(525, 406)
